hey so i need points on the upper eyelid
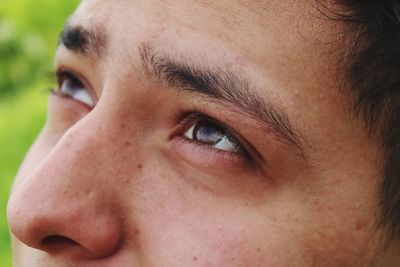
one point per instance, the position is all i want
(60, 74)
(65, 72)
(245, 145)
(219, 127)
(188, 118)
(195, 117)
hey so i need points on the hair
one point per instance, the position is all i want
(373, 72)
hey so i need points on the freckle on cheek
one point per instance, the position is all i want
(140, 166)
(360, 225)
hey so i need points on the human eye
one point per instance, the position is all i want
(209, 141)
(210, 133)
(69, 85)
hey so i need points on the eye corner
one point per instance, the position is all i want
(243, 152)
(63, 74)
(73, 86)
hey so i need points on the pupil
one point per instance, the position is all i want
(70, 85)
(207, 133)
(73, 85)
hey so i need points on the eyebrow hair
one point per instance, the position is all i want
(226, 86)
(212, 82)
(82, 41)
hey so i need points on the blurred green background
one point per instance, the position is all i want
(29, 30)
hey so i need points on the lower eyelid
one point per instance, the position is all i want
(205, 155)
(65, 73)
(247, 153)
(63, 112)
(63, 97)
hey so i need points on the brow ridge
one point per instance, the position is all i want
(213, 82)
(217, 83)
(87, 42)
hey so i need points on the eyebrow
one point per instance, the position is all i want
(226, 86)
(213, 82)
(83, 41)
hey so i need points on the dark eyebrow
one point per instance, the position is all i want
(226, 86)
(83, 41)
(215, 82)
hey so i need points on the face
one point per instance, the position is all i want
(198, 133)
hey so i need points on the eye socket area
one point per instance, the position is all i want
(211, 145)
(216, 139)
(212, 134)
(71, 86)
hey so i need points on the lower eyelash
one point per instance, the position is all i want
(54, 92)
(214, 155)
(188, 119)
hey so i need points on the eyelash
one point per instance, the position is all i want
(62, 75)
(73, 88)
(58, 77)
(188, 120)
(185, 122)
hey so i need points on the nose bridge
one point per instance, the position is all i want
(67, 197)
(73, 165)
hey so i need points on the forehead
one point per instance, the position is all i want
(285, 48)
(252, 29)
(271, 40)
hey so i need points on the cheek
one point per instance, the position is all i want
(63, 113)
(223, 241)
(191, 228)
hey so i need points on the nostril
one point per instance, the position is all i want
(56, 242)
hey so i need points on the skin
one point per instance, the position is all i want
(120, 185)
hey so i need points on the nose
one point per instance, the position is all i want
(65, 205)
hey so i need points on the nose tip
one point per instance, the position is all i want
(71, 229)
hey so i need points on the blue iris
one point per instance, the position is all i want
(208, 133)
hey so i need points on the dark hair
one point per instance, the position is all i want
(373, 72)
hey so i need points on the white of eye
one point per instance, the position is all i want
(84, 97)
(73, 89)
(224, 143)
(189, 133)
